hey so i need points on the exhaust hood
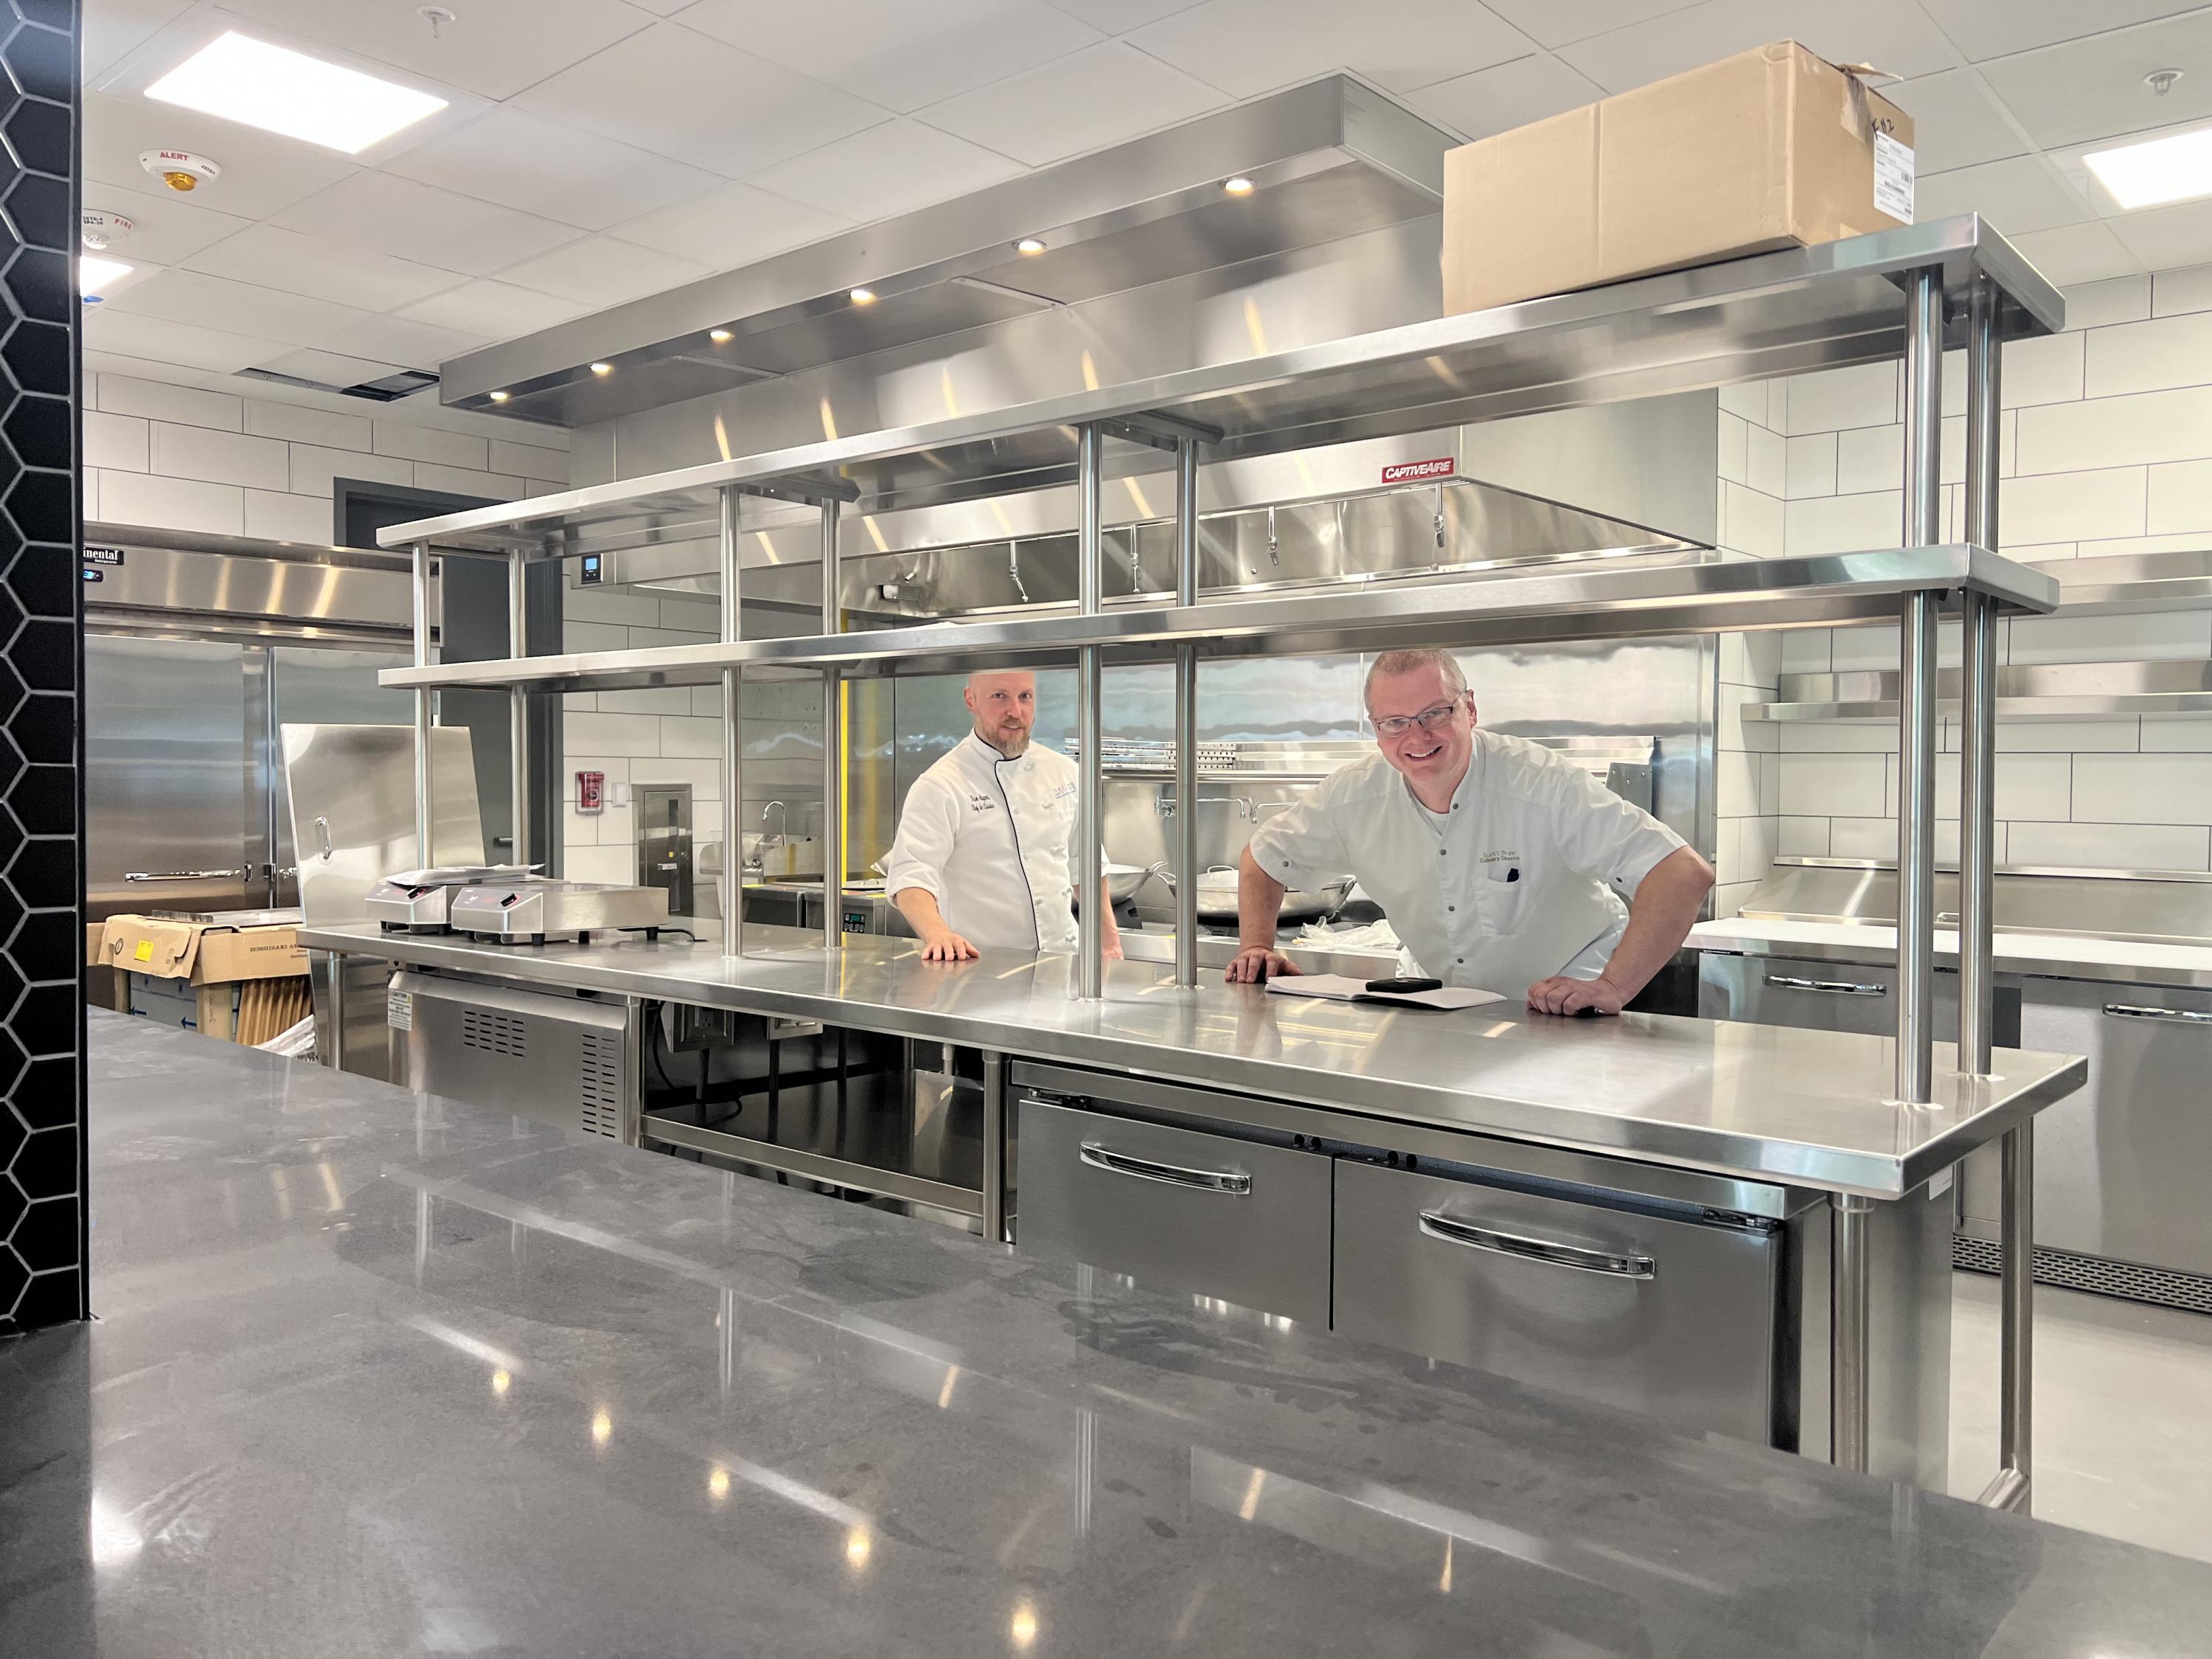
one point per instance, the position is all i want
(1328, 159)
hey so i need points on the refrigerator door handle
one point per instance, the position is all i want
(1233, 1182)
(1475, 1236)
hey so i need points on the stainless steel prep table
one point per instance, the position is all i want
(451, 1380)
(1766, 1103)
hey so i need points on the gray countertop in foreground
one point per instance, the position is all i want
(380, 1375)
(1807, 1108)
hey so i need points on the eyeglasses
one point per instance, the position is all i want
(1396, 725)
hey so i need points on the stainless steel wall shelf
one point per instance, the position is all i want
(2059, 690)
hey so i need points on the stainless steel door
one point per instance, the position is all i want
(2120, 1168)
(170, 787)
(1671, 1318)
(664, 842)
(1820, 996)
(1177, 1209)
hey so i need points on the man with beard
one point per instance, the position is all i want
(982, 858)
(1500, 865)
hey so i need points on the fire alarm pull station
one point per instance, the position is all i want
(591, 791)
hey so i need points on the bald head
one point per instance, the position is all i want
(1004, 704)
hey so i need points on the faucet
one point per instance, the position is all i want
(1245, 805)
(783, 822)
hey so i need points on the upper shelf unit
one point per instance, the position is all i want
(1608, 599)
(1745, 319)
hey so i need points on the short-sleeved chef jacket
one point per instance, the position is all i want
(1524, 877)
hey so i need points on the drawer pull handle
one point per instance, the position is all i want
(1235, 1182)
(1834, 988)
(2132, 1011)
(1619, 1265)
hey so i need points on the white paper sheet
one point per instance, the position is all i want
(1339, 987)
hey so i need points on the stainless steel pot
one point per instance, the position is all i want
(1216, 897)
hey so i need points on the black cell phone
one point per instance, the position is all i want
(1402, 986)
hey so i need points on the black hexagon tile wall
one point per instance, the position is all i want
(42, 1190)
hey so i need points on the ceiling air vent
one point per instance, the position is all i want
(390, 389)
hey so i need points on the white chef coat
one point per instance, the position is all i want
(988, 838)
(1522, 878)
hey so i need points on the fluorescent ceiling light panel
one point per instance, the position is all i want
(240, 79)
(2162, 170)
(95, 274)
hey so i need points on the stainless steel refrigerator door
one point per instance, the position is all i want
(1177, 1209)
(170, 788)
(1673, 1319)
(2120, 1167)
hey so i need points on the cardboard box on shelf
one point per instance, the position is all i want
(1773, 148)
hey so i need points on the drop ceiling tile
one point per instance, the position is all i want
(2017, 196)
(2078, 253)
(159, 340)
(1558, 22)
(112, 29)
(1893, 34)
(404, 340)
(598, 271)
(887, 169)
(893, 52)
(1247, 46)
(1991, 28)
(331, 368)
(379, 213)
(2094, 88)
(218, 302)
(1956, 123)
(681, 94)
(493, 311)
(494, 48)
(1120, 16)
(1507, 97)
(558, 172)
(730, 226)
(167, 228)
(308, 264)
(142, 368)
(1037, 118)
(2167, 238)
(261, 172)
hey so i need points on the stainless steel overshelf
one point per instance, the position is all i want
(1806, 1108)
(1745, 319)
(2046, 691)
(1614, 600)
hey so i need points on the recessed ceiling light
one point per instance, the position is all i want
(1029, 245)
(863, 296)
(720, 336)
(1240, 185)
(499, 397)
(241, 79)
(2163, 170)
(94, 274)
(603, 369)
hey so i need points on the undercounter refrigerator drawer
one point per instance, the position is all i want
(1176, 1209)
(1819, 996)
(1676, 1319)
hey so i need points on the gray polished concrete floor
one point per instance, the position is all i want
(2122, 1414)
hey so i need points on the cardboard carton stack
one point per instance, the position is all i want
(242, 984)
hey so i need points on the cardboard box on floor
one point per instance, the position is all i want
(243, 985)
(1770, 148)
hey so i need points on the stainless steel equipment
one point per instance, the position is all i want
(539, 910)
(421, 901)
(564, 1060)
(664, 842)
(2118, 1209)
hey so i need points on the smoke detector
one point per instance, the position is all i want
(100, 230)
(179, 169)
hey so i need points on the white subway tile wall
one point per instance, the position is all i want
(181, 457)
(2105, 448)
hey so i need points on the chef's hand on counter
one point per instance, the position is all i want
(1256, 963)
(948, 946)
(1561, 995)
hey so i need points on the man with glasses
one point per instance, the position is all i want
(1500, 865)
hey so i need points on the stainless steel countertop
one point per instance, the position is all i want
(1806, 1108)
(375, 1374)
(2046, 955)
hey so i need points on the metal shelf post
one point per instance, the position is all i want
(1186, 718)
(833, 743)
(1089, 575)
(733, 737)
(425, 854)
(518, 706)
(1916, 789)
